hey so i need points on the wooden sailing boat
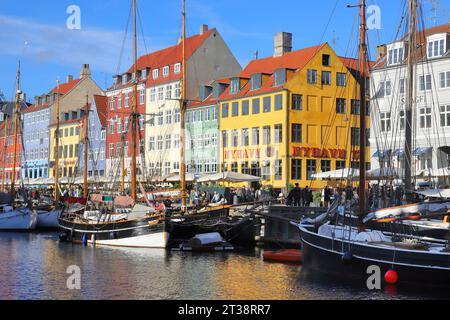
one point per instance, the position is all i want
(139, 227)
(16, 214)
(343, 250)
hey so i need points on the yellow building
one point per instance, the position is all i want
(69, 148)
(291, 115)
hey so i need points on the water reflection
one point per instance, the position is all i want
(33, 266)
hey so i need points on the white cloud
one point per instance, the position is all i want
(49, 43)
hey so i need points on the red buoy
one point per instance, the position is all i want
(391, 277)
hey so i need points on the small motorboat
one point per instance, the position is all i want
(206, 242)
(285, 255)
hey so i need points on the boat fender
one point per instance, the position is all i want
(113, 235)
(391, 276)
(347, 257)
(93, 239)
(84, 240)
(63, 237)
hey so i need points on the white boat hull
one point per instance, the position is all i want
(152, 240)
(19, 219)
(48, 219)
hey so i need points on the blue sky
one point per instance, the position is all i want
(35, 32)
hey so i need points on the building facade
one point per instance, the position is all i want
(207, 58)
(97, 139)
(289, 116)
(202, 134)
(431, 107)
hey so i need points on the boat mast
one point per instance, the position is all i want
(5, 138)
(86, 149)
(182, 111)
(362, 124)
(409, 99)
(56, 151)
(16, 131)
(135, 114)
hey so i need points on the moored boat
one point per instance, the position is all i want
(17, 219)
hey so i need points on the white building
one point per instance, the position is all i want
(431, 112)
(207, 58)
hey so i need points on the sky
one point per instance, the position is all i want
(36, 33)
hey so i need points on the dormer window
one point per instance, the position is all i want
(177, 68)
(279, 77)
(436, 48)
(166, 71)
(256, 80)
(326, 60)
(155, 73)
(396, 56)
(234, 85)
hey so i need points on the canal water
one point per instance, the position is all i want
(34, 266)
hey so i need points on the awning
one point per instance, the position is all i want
(421, 151)
(398, 153)
(382, 153)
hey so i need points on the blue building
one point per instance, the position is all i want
(36, 140)
(97, 139)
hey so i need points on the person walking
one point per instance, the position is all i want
(295, 195)
(326, 196)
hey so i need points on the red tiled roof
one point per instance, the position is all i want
(63, 90)
(101, 103)
(167, 57)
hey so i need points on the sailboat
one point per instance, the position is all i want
(347, 251)
(140, 227)
(16, 212)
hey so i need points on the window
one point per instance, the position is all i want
(354, 137)
(255, 136)
(266, 170)
(402, 86)
(224, 139)
(325, 165)
(355, 106)
(177, 90)
(326, 60)
(166, 71)
(445, 115)
(388, 88)
(296, 169)
(234, 85)
(235, 109)
(168, 92)
(280, 77)
(256, 80)
(425, 118)
(436, 48)
(340, 164)
(341, 79)
(245, 137)
(176, 141)
(119, 102)
(255, 106)
(160, 93)
(245, 169)
(326, 78)
(297, 102)
(340, 105)
(225, 110)
(111, 104)
(155, 73)
(310, 168)
(385, 118)
(159, 145)
(119, 125)
(245, 107)
(151, 144)
(267, 104)
(296, 133)
(278, 133)
(395, 56)
(278, 168)
(177, 68)
(312, 76)
(402, 119)
(125, 149)
(266, 135)
(168, 116)
(168, 141)
(425, 82)
(111, 150)
(234, 138)
(278, 102)
(127, 100)
(444, 80)
(152, 94)
(160, 118)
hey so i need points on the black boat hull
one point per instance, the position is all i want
(326, 255)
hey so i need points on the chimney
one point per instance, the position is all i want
(69, 78)
(381, 51)
(204, 29)
(282, 43)
(85, 71)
